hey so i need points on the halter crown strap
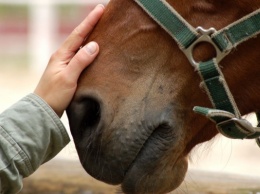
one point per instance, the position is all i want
(225, 113)
(181, 31)
(238, 32)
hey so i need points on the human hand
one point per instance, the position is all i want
(59, 80)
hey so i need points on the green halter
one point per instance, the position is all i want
(225, 112)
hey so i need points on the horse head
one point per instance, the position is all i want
(132, 116)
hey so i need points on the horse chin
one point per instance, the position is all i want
(157, 166)
(159, 180)
(146, 174)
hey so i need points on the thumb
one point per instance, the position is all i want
(82, 59)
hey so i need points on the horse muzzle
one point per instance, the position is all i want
(120, 145)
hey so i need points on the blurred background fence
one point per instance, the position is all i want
(31, 30)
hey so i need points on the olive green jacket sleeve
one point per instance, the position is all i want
(30, 134)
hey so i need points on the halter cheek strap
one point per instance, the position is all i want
(225, 112)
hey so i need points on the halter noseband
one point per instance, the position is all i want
(225, 112)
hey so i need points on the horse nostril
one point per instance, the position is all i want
(92, 112)
(84, 114)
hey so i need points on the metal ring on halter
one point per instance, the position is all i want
(205, 37)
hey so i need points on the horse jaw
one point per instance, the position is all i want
(162, 179)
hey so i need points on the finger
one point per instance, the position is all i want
(81, 60)
(77, 37)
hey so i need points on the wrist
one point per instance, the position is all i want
(58, 112)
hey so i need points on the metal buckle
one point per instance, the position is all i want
(205, 36)
(244, 125)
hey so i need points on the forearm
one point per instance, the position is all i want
(30, 134)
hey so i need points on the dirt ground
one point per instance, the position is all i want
(68, 177)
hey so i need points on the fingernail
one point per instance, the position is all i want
(101, 5)
(91, 48)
